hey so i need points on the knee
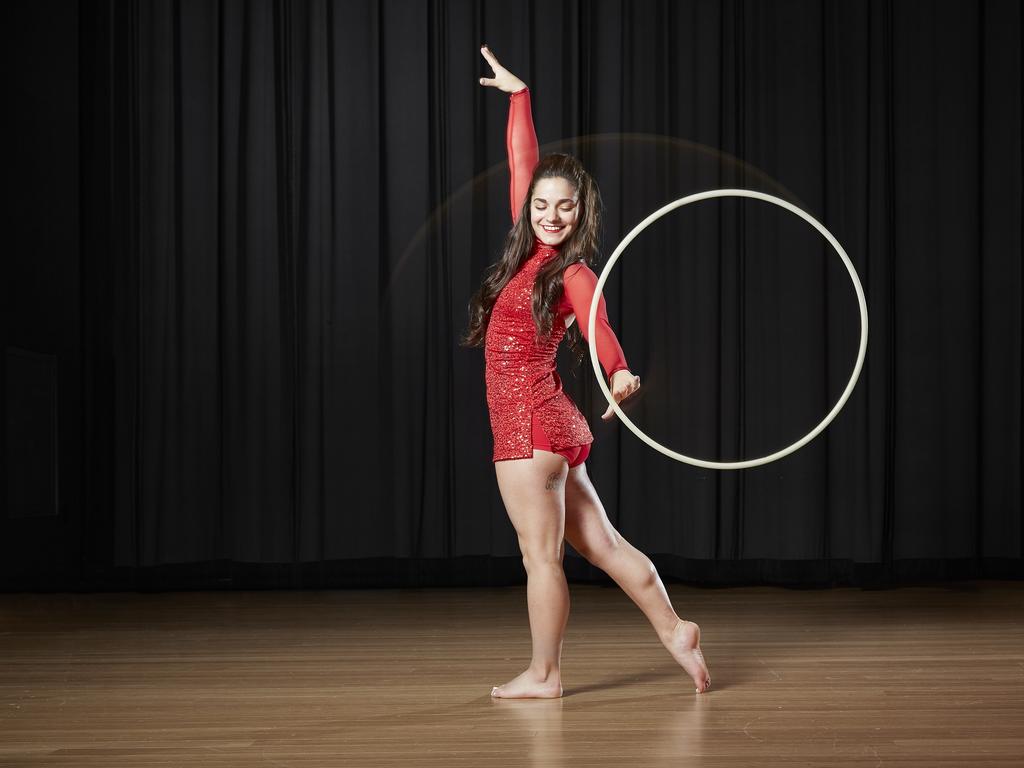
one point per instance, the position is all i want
(537, 556)
(603, 553)
(650, 574)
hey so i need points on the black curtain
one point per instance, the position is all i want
(289, 205)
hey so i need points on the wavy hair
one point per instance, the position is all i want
(582, 245)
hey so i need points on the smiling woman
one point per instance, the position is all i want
(523, 309)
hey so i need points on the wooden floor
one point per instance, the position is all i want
(911, 677)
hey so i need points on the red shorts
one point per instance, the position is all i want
(575, 455)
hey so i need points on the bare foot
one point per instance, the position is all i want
(530, 685)
(684, 645)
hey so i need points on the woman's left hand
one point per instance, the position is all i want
(623, 385)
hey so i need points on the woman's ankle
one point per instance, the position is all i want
(545, 672)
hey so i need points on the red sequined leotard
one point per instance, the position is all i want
(522, 379)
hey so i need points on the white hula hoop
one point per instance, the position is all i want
(592, 327)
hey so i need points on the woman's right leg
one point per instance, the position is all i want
(533, 491)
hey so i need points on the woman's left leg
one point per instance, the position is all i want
(591, 534)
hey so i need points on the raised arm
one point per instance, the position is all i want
(579, 283)
(521, 143)
(520, 137)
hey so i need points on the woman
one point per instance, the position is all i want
(526, 304)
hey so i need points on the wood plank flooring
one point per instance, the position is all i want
(924, 676)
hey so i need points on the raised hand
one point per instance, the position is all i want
(623, 384)
(503, 79)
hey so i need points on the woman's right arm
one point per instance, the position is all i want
(521, 143)
(520, 137)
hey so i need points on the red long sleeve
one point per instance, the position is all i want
(579, 283)
(521, 143)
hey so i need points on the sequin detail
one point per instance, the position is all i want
(521, 375)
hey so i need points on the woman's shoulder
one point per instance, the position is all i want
(574, 269)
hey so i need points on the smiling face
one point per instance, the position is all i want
(554, 210)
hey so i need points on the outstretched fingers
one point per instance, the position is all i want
(503, 80)
(491, 59)
(495, 66)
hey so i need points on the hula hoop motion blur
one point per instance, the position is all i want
(592, 327)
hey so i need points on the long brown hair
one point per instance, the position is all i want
(547, 289)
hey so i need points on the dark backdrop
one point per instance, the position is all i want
(246, 234)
